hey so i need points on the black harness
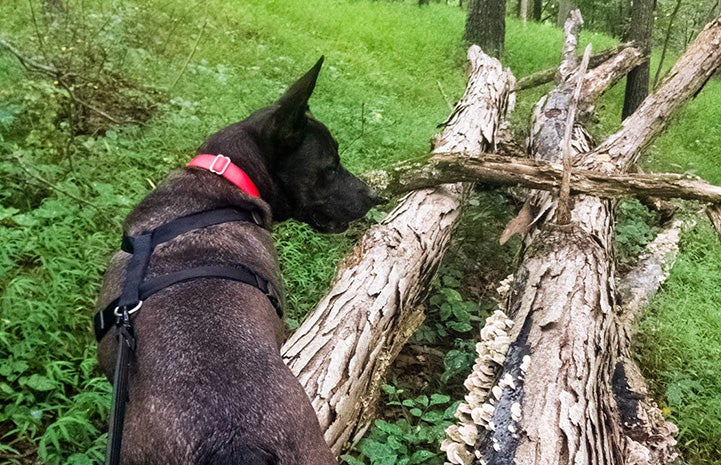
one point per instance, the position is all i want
(136, 289)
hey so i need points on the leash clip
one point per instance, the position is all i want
(119, 312)
(223, 159)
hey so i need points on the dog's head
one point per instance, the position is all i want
(307, 180)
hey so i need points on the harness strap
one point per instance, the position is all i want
(198, 220)
(135, 290)
(137, 265)
(106, 319)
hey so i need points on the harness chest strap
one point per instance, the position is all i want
(136, 289)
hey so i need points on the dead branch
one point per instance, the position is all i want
(687, 77)
(547, 75)
(500, 171)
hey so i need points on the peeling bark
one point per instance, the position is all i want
(341, 352)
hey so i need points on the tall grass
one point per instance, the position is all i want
(391, 71)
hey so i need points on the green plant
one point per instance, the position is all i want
(449, 313)
(413, 437)
(635, 228)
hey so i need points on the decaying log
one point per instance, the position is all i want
(498, 171)
(634, 291)
(547, 75)
(342, 350)
(564, 393)
(639, 285)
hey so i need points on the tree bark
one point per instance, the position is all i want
(341, 352)
(565, 391)
(685, 79)
(640, 33)
(537, 10)
(486, 25)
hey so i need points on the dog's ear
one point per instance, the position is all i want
(289, 120)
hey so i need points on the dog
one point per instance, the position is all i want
(207, 384)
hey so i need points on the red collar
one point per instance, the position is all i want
(222, 166)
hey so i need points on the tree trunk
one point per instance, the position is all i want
(523, 11)
(341, 352)
(564, 9)
(486, 25)
(565, 392)
(537, 10)
(640, 33)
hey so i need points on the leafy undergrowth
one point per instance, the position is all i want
(66, 183)
(684, 367)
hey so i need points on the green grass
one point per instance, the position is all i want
(679, 346)
(390, 69)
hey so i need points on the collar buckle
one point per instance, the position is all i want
(219, 158)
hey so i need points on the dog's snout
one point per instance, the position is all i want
(375, 197)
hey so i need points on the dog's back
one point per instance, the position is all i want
(207, 383)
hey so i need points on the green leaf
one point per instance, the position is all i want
(38, 382)
(416, 412)
(350, 460)
(440, 399)
(432, 417)
(389, 428)
(460, 326)
(422, 400)
(421, 456)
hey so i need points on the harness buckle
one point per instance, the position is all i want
(223, 159)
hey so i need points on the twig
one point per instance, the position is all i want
(190, 56)
(563, 214)
(445, 96)
(52, 186)
(29, 64)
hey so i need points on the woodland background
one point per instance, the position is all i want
(100, 99)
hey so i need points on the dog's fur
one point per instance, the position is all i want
(207, 383)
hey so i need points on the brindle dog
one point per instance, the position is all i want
(207, 384)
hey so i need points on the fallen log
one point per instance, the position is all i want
(563, 393)
(547, 75)
(497, 171)
(343, 349)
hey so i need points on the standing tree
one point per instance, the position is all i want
(564, 9)
(536, 10)
(486, 25)
(639, 32)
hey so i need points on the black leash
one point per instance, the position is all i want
(136, 289)
(126, 345)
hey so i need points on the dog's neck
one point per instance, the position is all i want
(191, 191)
